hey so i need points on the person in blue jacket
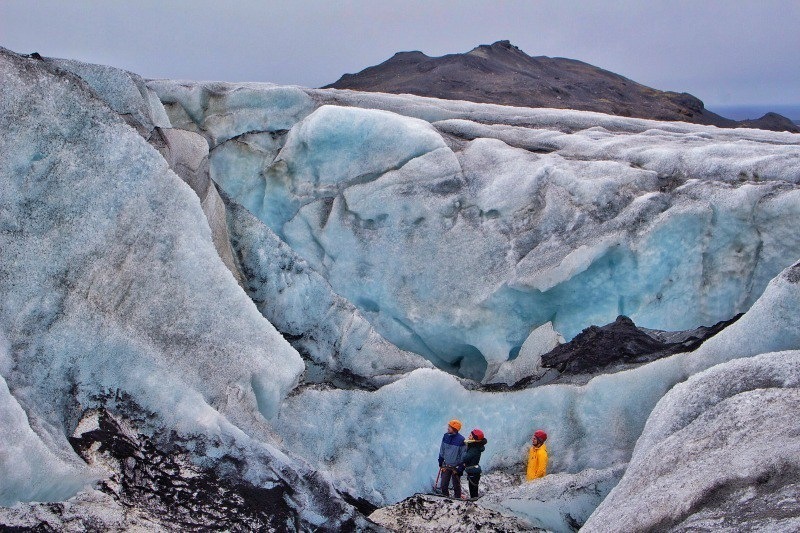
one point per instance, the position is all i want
(451, 458)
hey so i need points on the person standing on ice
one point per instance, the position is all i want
(537, 456)
(451, 458)
(476, 444)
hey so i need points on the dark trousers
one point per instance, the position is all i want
(447, 475)
(472, 481)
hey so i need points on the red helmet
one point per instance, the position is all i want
(477, 433)
(540, 435)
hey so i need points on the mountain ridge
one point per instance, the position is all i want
(501, 73)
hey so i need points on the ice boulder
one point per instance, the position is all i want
(559, 502)
(528, 363)
(721, 450)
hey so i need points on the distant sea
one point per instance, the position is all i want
(743, 112)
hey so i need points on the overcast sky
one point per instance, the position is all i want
(725, 52)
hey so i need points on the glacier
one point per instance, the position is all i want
(292, 290)
(608, 413)
(571, 218)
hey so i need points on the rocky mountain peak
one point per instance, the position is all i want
(413, 55)
(502, 73)
(503, 46)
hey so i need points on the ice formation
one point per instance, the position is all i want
(339, 345)
(559, 502)
(113, 295)
(535, 216)
(402, 423)
(721, 450)
(528, 362)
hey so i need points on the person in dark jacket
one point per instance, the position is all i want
(476, 444)
(451, 458)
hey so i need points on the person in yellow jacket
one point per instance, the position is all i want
(537, 457)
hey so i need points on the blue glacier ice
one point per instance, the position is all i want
(114, 296)
(338, 344)
(385, 437)
(457, 229)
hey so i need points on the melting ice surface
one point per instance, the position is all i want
(457, 228)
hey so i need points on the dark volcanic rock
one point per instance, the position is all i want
(773, 122)
(423, 512)
(596, 348)
(158, 487)
(172, 490)
(794, 273)
(503, 74)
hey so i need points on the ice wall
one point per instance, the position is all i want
(457, 228)
(383, 445)
(114, 296)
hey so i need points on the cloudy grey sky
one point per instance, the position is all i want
(725, 52)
